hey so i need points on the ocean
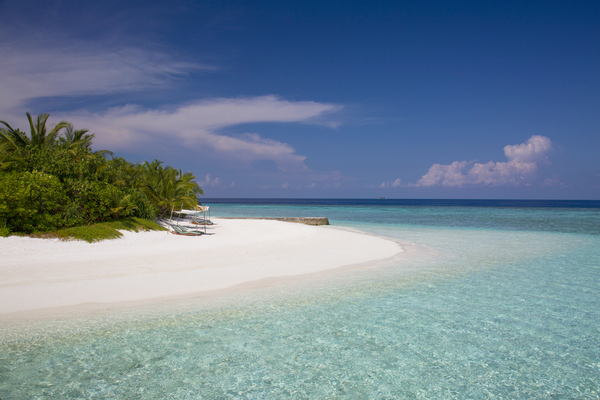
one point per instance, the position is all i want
(501, 301)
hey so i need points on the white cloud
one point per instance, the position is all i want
(520, 168)
(535, 149)
(395, 184)
(82, 69)
(197, 124)
(208, 181)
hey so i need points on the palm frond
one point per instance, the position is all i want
(15, 137)
(39, 133)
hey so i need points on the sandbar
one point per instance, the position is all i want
(40, 274)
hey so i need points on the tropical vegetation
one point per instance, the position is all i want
(51, 180)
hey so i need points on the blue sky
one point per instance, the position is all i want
(418, 99)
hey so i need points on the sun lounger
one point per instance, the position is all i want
(201, 221)
(178, 230)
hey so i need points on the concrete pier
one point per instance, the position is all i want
(299, 220)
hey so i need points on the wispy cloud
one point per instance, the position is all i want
(395, 184)
(36, 68)
(80, 69)
(520, 168)
(198, 125)
(84, 69)
(210, 181)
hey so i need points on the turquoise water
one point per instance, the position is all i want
(504, 303)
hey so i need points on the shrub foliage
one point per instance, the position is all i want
(51, 179)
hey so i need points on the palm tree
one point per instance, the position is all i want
(7, 157)
(12, 139)
(39, 135)
(168, 188)
(79, 143)
(75, 139)
(122, 206)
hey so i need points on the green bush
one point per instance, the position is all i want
(56, 161)
(31, 201)
(92, 200)
(105, 230)
(145, 209)
(135, 225)
(52, 180)
(4, 231)
(90, 233)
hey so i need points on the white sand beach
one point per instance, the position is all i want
(39, 274)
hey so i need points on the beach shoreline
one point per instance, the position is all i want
(45, 275)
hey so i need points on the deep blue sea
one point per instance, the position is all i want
(501, 302)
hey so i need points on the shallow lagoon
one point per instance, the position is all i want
(504, 303)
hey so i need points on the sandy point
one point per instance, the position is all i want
(39, 274)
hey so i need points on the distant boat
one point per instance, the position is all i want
(381, 198)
